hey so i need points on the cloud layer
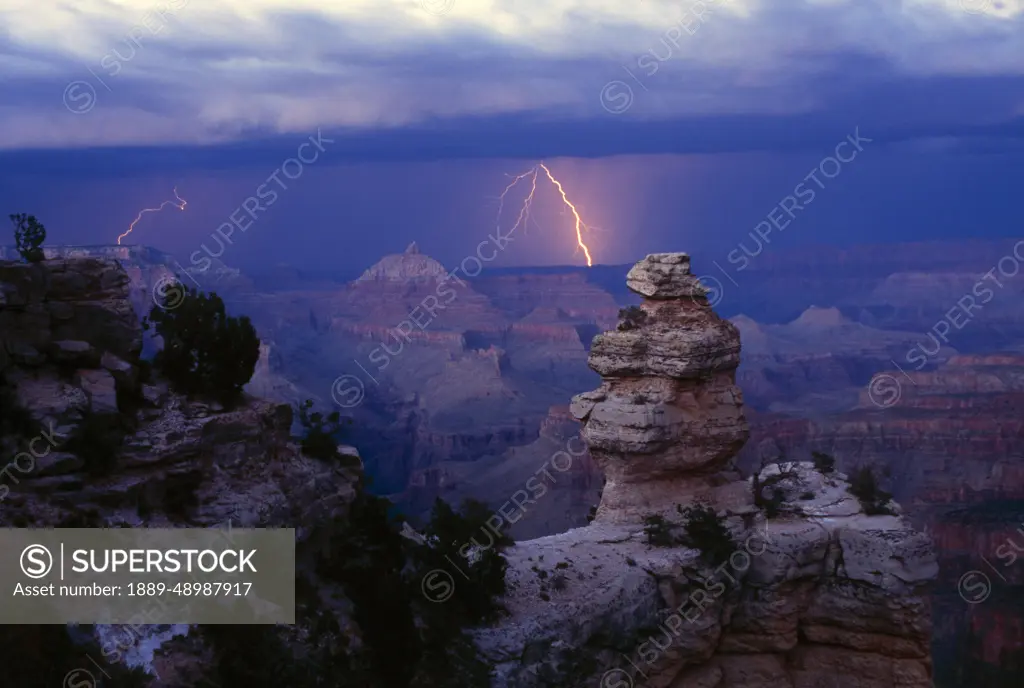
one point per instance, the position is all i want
(426, 78)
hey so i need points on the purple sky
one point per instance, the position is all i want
(673, 126)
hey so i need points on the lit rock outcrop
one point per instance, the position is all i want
(668, 418)
(812, 593)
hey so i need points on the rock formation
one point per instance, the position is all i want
(951, 440)
(816, 592)
(69, 355)
(668, 417)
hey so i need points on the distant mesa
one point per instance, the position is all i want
(403, 267)
(815, 316)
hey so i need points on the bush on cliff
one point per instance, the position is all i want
(865, 487)
(321, 433)
(411, 616)
(770, 492)
(658, 532)
(405, 638)
(29, 235)
(205, 351)
(824, 463)
(707, 531)
(702, 529)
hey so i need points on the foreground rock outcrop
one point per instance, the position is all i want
(70, 364)
(814, 593)
(951, 441)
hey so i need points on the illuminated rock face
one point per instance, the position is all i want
(411, 265)
(817, 594)
(668, 418)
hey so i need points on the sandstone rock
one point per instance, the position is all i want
(101, 388)
(47, 397)
(411, 265)
(154, 395)
(818, 579)
(125, 374)
(668, 416)
(75, 353)
(664, 276)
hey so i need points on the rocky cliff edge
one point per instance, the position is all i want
(815, 592)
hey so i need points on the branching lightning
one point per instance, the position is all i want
(179, 204)
(524, 211)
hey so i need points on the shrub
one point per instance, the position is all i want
(702, 529)
(824, 463)
(708, 533)
(631, 318)
(322, 433)
(29, 235)
(772, 504)
(864, 486)
(658, 532)
(205, 350)
(766, 495)
(451, 533)
(410, 640)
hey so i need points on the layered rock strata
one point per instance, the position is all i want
(816, 592)
(951, 441)
(668, 417)
(69, 355)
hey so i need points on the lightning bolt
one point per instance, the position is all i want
(179, 204)
(524, 211)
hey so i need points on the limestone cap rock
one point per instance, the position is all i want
(664, 276)
(402, 267)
